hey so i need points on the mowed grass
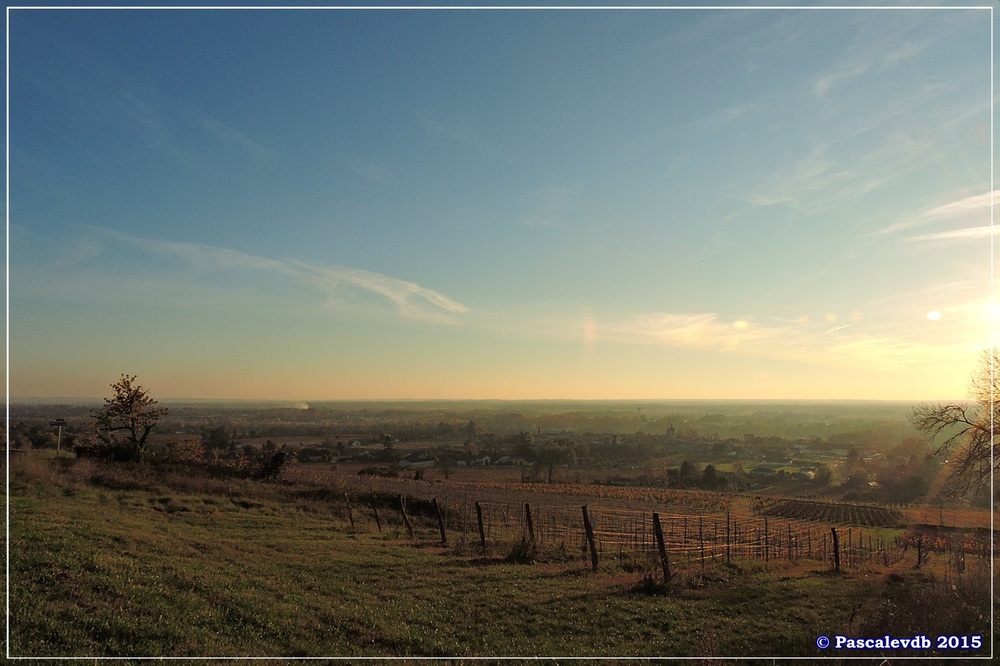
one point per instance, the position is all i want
(139, 572)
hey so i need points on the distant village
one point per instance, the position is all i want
(558, 447)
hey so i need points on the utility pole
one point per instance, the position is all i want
(60, 423)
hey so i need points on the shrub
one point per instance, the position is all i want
(523, 552)
(908, 600)
(380, 470)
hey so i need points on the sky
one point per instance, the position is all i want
(615, 204)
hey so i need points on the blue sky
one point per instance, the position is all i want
(500, 204)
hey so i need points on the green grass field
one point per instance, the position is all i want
(105, 566)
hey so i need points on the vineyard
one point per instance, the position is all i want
(698, 527)
(691, 540)
(835, 514)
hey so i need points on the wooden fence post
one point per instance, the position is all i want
(378, 520)
(350, 513)
(465, 517)
(482, 533)
(836, 549)
(530, 523)
(437, 510)
(658, 533)
(406, 519)
(728, 540)
(685, 541)
(589, 530)
(701, 542)
(767, 549)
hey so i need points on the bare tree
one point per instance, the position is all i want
(967, 431)
(130, 412)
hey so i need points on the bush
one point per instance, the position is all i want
(380, 470)
(648, 585)
(523, 552)
(917, 602)
(114, 452)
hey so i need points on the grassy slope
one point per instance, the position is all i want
(133, 572)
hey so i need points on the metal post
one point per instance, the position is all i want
(60, 423)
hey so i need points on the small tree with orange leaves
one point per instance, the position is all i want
(128, 417)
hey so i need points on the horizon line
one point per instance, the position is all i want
(98, 399)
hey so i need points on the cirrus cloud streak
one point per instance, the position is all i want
(340, 284)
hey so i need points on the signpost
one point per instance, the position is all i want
(60, 423)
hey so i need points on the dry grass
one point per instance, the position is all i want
(960, 517)
(933, 603)
(133, 559)
(72, 474)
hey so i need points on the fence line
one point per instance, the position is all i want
(692, 535)
(691, 540)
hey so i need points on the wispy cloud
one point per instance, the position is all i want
(259, 153)
(816, 181)
(340, 284)
(968, 209)
(834, 329)
(894, 44)
(677, 163)
(969, 205)
(549, 205)
(889, 348)
(871, 130)
(369, 169)
(724, 117)
(206, 258)
(970, 233)
(89, 84)
(688, 331)
(460, 131)
(905, 340)
(73, 254)
(904, 51)
(845, 73)
(881, 351)
(409, 298)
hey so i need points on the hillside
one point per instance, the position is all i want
(127, 561)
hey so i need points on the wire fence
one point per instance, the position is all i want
(702, 529)
(689, 539)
